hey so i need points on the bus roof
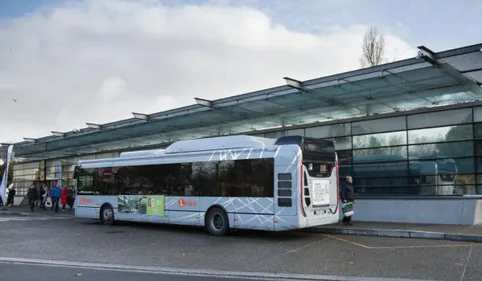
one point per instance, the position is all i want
(142, 153)
(220, 143)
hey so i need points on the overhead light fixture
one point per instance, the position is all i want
(58, 134)
(93, 126)
(204, 102)
(293, 83)
(140, 116)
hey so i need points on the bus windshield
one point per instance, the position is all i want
(319, 156)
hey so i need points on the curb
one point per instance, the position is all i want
(399, 233)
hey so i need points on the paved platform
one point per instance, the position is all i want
(403, 230)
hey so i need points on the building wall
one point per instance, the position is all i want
(453, 211)
(393, 146)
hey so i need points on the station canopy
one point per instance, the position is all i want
(426, 80)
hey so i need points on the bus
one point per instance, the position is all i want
(219, 183)
(395, 174)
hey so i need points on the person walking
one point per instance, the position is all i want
(347, 194)
(63, 197)
(55, 195)
(32, 196)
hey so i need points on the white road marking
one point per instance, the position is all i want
(191, 272)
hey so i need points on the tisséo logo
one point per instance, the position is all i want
(84, 200)
(186, 203)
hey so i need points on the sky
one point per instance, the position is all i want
(64, 63)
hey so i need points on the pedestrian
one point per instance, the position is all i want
(32, 196)
(347, 194)
(71, 196)
(43, 196)
(10, 196)
(55, 195)
(63, 197)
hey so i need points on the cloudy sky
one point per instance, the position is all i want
(64, 63)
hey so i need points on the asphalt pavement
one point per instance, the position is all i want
(86, 241)
(42, 273)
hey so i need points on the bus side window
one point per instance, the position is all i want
(305, 178)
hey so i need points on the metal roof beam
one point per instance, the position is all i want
(93, 126)
(30, 139)
(58, 134)
(204, 102)
(141, 116)
(293, 83)
(427, 55)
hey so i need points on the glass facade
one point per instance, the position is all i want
(48, 172)
(424, 154)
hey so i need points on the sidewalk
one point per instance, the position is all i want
(25, 211)
(406, 230)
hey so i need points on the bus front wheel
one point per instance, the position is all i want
(107, 215)
(217, 222)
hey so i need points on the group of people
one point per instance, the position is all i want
(57, 196)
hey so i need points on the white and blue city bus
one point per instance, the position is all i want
(237, 182)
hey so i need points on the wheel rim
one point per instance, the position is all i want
(107, 214)
(218, 221)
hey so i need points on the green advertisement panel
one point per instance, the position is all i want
(155, 205)
(152, 205)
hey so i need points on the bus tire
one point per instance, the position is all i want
(217, 222)
(107, 215)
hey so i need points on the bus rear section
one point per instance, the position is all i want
(317, 182)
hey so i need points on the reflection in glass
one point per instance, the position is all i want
(478, 130)
(342, 143)
(441, 150)
(337, 130)
(379, 140)
(381, 154)
(442, 118)
(296, 132)
(450, 133)
(379, 125)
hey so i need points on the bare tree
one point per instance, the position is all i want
(373, 48)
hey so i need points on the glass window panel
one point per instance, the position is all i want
(441, 166)
(274, 135)
(296, 132)
(387, 169)
(337, 130)
(478, 130)
(478, 147)
(379, 125)
(382, 154)
(378, 140)
(342, 143)
(442, 134)
(442, 150)
(441, 118)
(478, 114)
(478, 188)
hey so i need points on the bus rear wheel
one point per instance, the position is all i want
(107, 215)
(217, 222)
